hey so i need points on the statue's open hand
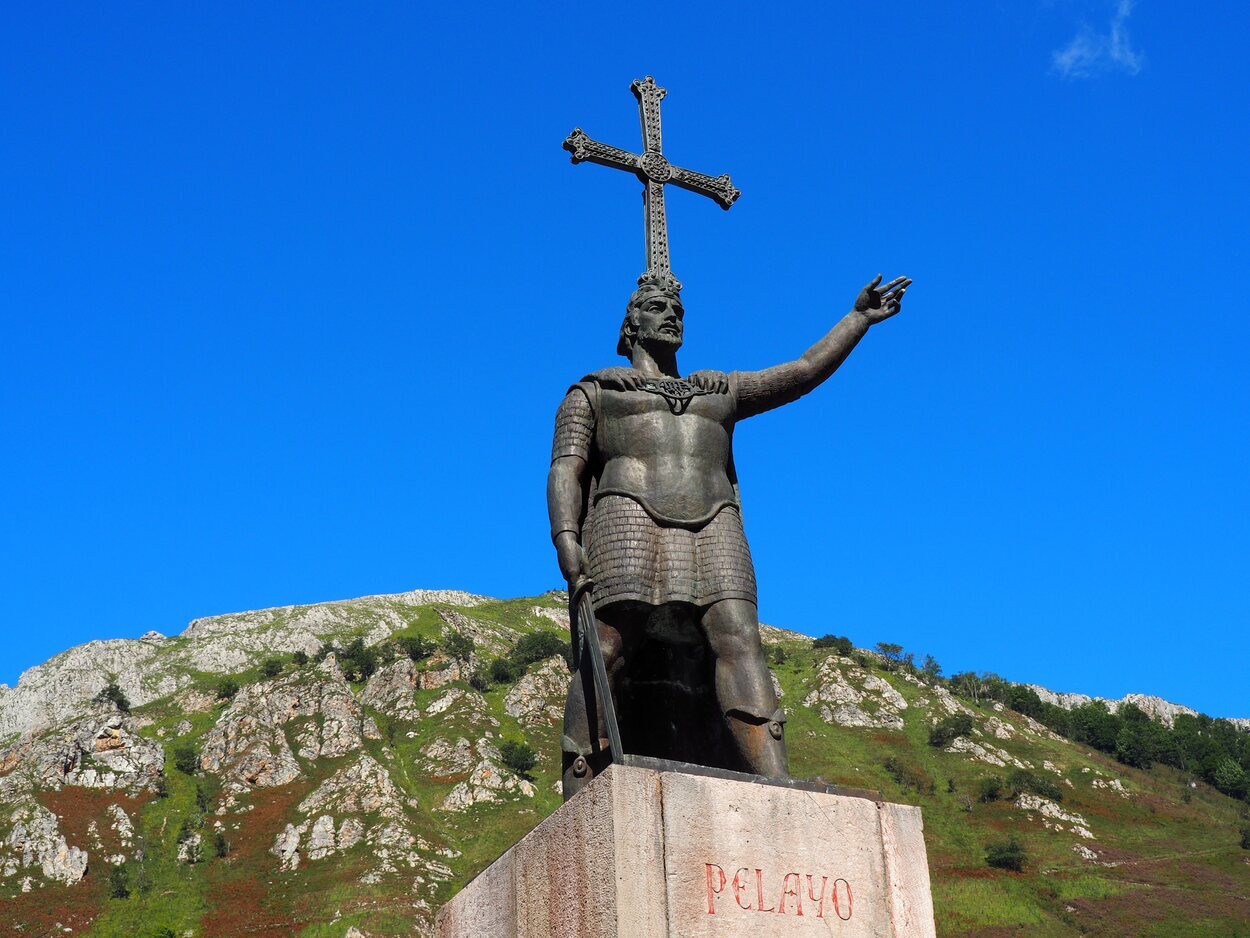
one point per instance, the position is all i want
(877, 303)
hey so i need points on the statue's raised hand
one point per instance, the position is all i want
(877, 303)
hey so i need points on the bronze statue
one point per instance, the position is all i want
(643, 496)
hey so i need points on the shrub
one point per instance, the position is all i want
(271, 667)
(1006, 855)
(839, 643)
(539, 646)
(186, 759)
(299, 658)
(519, 757)
(457, 645)
(114, 695)
(416, 647)
(161, 787)
(892, 653)
(990, 789)
(325, 651)
(1022, 780)
(951, 787)
(221, 846)
(164, 932)
(1245, 838)
(505, 671)
(949, 729)
(119, 883)
(357, 661)
(909, 775)
(779, 655)
(227, 688)
(479, 681)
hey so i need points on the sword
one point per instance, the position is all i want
(586, 638)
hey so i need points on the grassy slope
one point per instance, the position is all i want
(1180, 870)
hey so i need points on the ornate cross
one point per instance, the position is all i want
(654, 170)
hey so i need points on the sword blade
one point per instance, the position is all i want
(590, 636)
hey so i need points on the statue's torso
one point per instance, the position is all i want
(677, 465)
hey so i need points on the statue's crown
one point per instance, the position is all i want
(659, 281)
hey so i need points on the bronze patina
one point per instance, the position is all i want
(645, 514)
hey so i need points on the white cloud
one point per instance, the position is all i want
(1091, 52)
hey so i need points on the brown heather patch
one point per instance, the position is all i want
(247, 894)
(38, 913)
(1139, 911)
(77, 807)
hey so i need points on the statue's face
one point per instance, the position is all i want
(659, 318)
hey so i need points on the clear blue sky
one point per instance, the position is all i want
(290, 293)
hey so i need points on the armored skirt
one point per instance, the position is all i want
(631, 557)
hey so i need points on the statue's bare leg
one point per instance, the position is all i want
(585, 753)
(744, 686)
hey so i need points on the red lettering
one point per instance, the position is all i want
(820, 910)
(788, 890)
(759, 891)
(837, 907)
(740, 887)
(713, 891)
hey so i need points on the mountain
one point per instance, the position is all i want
(341, 769)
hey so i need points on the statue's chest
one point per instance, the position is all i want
(663, 416)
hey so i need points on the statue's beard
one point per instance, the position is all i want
(658, 341)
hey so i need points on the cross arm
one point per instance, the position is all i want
(718, 188)
(585, 149)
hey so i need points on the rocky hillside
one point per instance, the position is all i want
(341, 769)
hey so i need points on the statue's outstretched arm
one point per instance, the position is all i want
(758, 391)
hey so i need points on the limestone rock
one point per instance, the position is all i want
(391, 690)
(984, 752)
(1053, 816)
(36, 840)
(488, 783)
(874, 703)
(100, 750)
(249, 744)
(538, 697)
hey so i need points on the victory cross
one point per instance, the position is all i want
(645, 514)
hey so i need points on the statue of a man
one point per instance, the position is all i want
(643, 499)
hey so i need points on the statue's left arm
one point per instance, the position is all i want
(758, 391)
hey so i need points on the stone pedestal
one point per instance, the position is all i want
(646, 853)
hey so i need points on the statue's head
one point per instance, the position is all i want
(653, 319)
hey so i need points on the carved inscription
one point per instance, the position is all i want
(750, 889)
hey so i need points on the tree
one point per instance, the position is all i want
(186, 759)
(114, 695)
(505, 671)
(416, 647)
(1245, 838)
(221, 846)
(1006, 855)
(779, 655)
(119, 883)
(519, 757)
(325, 651)
(892, 653)
(946, 731)
(299, 658)
(358, 662)
(227, 688)
(1230, 778)
(990, 789)
(930, 668)
(271, 667)
(458, 646)
(479, 681)
(539, 646)
(839, 643)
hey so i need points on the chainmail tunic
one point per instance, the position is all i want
(631, 556)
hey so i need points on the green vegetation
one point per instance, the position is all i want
(518, 757)
(990, 789)
(1006, 855)
(271, 667)
(114, 695)
(299, 658)
(416, 647)
(839, 643)
(1022, 780)
(119, 883)
(186, 759)
(949, 729)
(458, 646)
(227, 688)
